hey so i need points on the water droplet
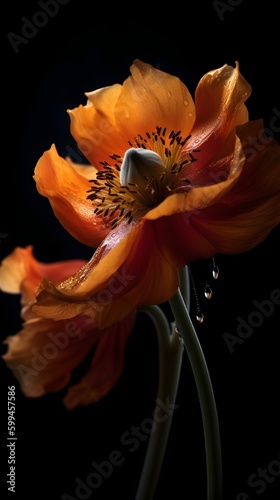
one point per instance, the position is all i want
(215, 272)
(190, 114)
(186, 102)
(199, 316)
(208, 291)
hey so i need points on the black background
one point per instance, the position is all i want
(83, 47)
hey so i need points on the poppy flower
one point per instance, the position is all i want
(43, 355)
(171, 180)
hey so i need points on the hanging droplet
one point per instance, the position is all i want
(199, 316)
(208, 292)
(215, 270)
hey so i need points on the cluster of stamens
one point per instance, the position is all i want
(118, 202)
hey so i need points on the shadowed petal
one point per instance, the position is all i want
(106, 367)
(44, 353)
(250, 210)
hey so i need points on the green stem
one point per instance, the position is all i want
(205, 394)
(170, 361)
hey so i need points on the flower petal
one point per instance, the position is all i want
(94, 126)
(65, 185)
(114, 115)
(122, 276)
(250, 210)
(44, 353)
(21, 272)
(229, 217)
(219, 104)
(194, 199)
(150, 97)
(106, 367)
(14, 269)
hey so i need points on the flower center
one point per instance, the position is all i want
(151, 169)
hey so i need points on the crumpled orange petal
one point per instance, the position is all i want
(116, 114)
(106, 367)
(44, 353)
(65, 184)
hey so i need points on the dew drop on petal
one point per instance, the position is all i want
(186, 103)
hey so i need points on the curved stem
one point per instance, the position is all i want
(206, 396)
(171, 350)
(170, 361)
(185, 286)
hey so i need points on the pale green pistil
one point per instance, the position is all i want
(140, 166)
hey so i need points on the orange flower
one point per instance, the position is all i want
(173, 180)
(43, 355)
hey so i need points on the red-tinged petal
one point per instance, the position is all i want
(106, 367)
(44, 353)
(21, 272)
(193, 200)
(231, 217)
(121, 276)
(219, 104)
(114, 115)
(250, 210)
(65, 185)
(242, 217)
(180, 240)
